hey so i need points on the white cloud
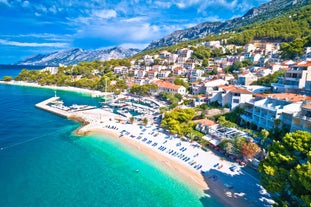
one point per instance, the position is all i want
(33, 44)
(105, 14)
(53, 9)
(164, 5)
(182, 5)
(25, 4)
(5, 2)
(134, 19)
(214, 19)
(134, 45)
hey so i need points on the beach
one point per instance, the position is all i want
(203, 169)
(214, 177)
(93, 93)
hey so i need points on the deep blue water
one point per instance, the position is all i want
(14, 70)
(42, 162)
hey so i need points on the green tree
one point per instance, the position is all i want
(145, 121)
(287, 169)
(131, 119)
(7, 78)
(293, 49)
(178, 121)
(181, 82)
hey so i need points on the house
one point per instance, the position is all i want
(140, 81)
(297, 77)
(172, 58)
(52, 70)
(199, 100)
(205, 125)
(164, 54)
(158, 67)
(179, 71)
(197, 88)
(302, 120)
(230, 95)
(189, 65)
(164, 73)
(194, 75)
(152, 74)
(120, 70)
(165, 86)
(213, 44)
(264, 111)
(209, 85)
(141, 73)
(185, 52)
(149, 60)
(246, 78)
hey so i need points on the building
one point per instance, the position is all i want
(270, 107)
(165, 86)
(246, 78)
(52, 70)
(297, 77)
(120, 70)
(230, 96)
(302, 120)
(205, 126)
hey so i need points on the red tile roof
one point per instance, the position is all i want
(235, 89)
(166, 84)
(291, 97)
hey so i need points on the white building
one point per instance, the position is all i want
(165, 86)
(264, 112)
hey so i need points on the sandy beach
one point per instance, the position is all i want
(205, 170)
(214, 177)
(63, 88)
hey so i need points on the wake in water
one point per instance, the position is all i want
(26, 141)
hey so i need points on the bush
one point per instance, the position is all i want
(7, 78)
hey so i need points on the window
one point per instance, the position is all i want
(235, 100)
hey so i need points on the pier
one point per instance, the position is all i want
(44, 105)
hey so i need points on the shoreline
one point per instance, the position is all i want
(190, 176)
(92, 122)
(53, 87)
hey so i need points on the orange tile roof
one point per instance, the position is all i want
(291, 97)
(166, 84)
(307, 106)
(305, 65)
(207, 122)
(234, 89)
(241, 90)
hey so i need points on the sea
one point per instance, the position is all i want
(43, 163)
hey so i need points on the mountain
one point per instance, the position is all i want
(74, 56)
(266, 11)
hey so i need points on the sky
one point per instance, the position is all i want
(31, 27)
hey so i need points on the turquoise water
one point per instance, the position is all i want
(42, 163)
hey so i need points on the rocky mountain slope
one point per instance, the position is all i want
(74, 56)
(264, 12)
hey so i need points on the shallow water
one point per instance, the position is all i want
(42, 163)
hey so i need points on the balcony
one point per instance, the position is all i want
(246, 118)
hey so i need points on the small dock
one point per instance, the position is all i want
(45, 106)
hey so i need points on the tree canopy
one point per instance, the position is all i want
(286, 171)
(178, 121)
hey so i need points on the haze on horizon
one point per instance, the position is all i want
(32, 27)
